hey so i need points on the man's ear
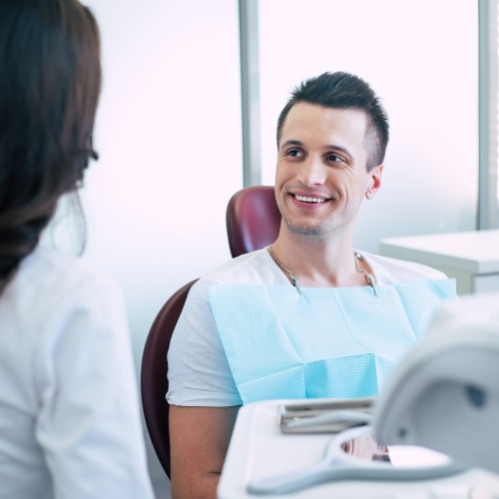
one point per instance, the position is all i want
(374, 181)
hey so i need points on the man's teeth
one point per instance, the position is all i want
(307, 199)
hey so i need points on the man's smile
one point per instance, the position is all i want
(310, 199)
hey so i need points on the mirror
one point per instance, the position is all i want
(354, 454)
(362, 445)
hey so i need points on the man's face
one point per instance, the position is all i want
(321, 174)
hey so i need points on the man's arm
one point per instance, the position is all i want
(199, 438)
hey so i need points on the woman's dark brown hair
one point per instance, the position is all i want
(50, 80)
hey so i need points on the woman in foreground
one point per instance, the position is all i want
(69, 413)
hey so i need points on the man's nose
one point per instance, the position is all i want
(313, 171)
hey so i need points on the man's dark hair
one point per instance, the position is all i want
(345, 91)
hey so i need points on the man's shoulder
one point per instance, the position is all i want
(251, 268)
(389, 270)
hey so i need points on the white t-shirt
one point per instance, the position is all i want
(69, 416)
(198, 370)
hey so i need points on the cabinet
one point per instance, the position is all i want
(472, 258)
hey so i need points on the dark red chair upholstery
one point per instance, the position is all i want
(252, 219)
(153, 379)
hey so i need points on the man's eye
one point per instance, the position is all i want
(335, 158)
(294, 153)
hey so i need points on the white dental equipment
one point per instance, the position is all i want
(445, 394)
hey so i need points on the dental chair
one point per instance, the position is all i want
(253, 222)
(153, 379)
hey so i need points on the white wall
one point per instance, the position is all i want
(421, 57)
(168, 135)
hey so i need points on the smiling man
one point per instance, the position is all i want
(322, 176)
(309, 316)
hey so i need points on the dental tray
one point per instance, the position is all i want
(325, 416)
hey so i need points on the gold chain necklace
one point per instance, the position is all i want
(371, 281)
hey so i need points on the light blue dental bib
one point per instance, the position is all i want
(324, 342)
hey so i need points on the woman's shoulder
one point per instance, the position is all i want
(48, 280)
(52, 297)
(54, 271)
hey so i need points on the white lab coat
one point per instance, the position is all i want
(69, 412)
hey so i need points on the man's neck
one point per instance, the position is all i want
(316, 261)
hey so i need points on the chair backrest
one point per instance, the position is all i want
(153, 379)
(252, 219)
